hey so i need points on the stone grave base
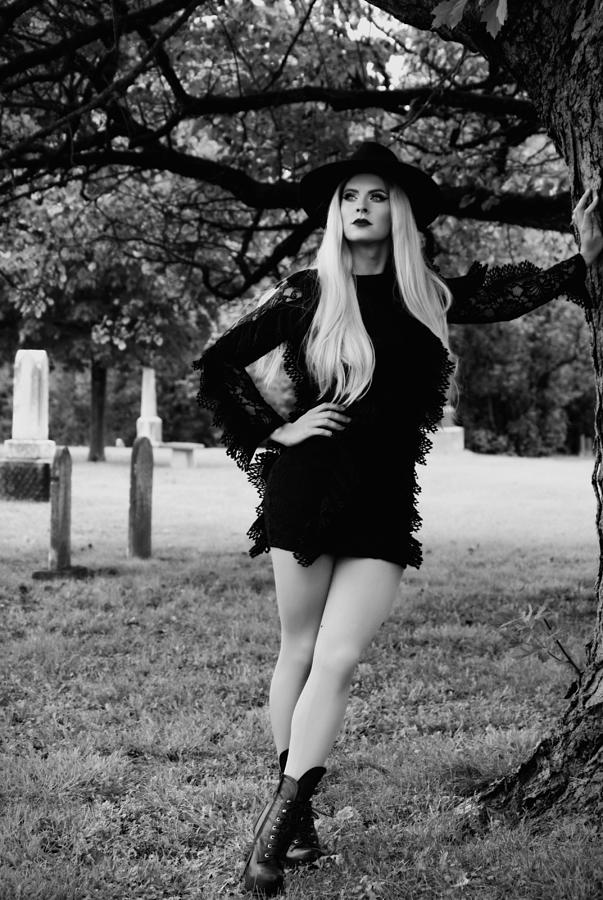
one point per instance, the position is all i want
(24, 480)
(63, 574)
(450, 439)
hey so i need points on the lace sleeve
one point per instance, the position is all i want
(226, 388)
(500, 293)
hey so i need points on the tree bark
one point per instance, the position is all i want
(98, 393)
(553, 50)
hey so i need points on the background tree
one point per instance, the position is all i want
(525, 384)
(91, 307)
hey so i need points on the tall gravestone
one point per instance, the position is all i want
(25, 472)
(149, 424)
(30, 408)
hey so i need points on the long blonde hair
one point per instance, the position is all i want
(339, 354)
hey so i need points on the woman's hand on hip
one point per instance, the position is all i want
(323, 420)
(586, 220)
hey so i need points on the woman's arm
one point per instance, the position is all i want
(499, 293)
(227, 389)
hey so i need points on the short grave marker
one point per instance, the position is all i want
(141, 495)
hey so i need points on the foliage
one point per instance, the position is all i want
(526, 384)
(76, 296)
(527, 633)
(226, 115)
(450, 12)
(229, 111)
(241, 98)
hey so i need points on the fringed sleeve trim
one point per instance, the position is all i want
(500, 293)
(228, 391)
(246, 420)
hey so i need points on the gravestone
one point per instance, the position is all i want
(30, 408)
(449, 438)
(141, 496)
(59, 555)
(149, 424)
(25, 472)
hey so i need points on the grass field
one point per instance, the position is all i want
(135, 741)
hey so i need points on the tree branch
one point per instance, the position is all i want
(165, 66)
(337, 99)
(116, 87)
(67, 47)
(463, 202)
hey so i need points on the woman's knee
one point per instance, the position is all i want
(297, 649)
(336, 663)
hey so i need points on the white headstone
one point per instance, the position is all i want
(448, 418)
(449, 438)
(30, 408)
(149, 424)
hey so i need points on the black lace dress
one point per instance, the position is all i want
(354, 493)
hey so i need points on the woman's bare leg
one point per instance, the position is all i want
(301, 593)
(360, 598)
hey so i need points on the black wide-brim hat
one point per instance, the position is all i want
(317, 187)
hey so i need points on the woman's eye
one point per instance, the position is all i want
(351, 196)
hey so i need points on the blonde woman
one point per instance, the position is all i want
(364, 338)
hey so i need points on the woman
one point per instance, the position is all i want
(365, 341)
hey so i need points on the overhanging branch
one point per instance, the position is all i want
(462, 202)
(339, 100)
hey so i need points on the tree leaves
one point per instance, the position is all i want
(450, 13)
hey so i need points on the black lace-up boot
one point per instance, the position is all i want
(273, 832)
(305, 845)
(263, 872)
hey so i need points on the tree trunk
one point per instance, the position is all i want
(553, 51)
(98, 392)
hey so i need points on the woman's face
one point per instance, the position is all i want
(365, 209)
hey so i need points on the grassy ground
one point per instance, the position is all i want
(135, 740)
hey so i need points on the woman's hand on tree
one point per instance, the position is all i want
(585, 218)
(320, 420)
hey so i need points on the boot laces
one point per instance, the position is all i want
(305, 830)
(279, 832)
